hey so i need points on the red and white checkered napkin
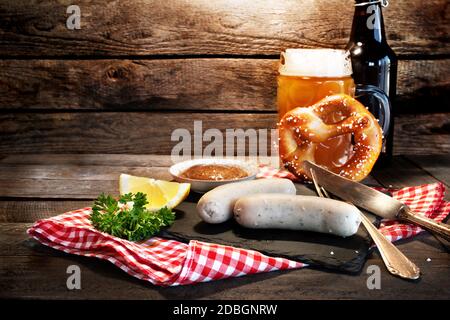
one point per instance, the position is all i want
(160, 261)
(168, 262)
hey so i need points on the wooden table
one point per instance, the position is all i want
(39, 186)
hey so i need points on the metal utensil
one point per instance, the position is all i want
(372, 200)
(396, 262)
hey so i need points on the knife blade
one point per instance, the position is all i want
(370, 199)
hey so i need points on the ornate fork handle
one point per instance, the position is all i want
(396, 262)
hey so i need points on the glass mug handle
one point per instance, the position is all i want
(384, 104)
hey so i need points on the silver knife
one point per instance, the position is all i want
(373, 201)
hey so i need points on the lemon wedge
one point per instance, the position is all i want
(159, 193)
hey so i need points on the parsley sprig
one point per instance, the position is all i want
(128, 218)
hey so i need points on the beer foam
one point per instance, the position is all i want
(327, 63)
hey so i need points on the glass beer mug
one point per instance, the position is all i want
(308, 75)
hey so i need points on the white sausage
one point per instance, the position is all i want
(216, 206)
(279, 211)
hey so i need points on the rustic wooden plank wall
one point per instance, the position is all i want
(138, 69)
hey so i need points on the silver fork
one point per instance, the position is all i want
(396, 262)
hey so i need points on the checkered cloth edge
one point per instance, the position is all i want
(169, 263)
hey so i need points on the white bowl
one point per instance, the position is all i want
(202, 186)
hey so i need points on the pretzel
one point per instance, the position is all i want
(301, 130)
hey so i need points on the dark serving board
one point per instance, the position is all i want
(316, 249)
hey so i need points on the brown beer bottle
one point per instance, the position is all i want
(373, 61)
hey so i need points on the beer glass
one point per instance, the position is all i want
(308, 75)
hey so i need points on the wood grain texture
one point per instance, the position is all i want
(435, 165)
(112, 28)
(33, 210)
(29, 269)
(71, 182)
(185, 84)
(150, 132)
(422, 134)
(110, 160)
(175, 84)
(422, 86)
(111, 132)
(75, 172)
(72, 178)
